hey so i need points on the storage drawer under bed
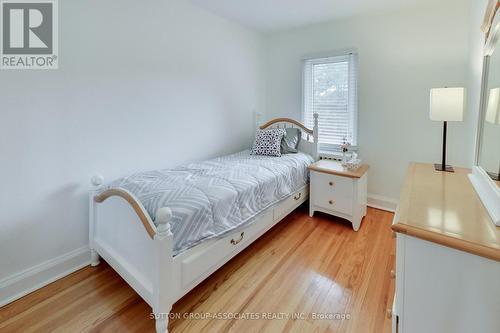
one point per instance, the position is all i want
(289, 204)
(202, 260)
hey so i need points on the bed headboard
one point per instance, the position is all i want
(309, 142)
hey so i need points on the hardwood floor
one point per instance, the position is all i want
(302, 266)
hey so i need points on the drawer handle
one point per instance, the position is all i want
(393, 274)
(234, 242)
(330, 202)
(297, 197)
(330, 183)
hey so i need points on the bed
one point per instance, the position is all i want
(165, 231)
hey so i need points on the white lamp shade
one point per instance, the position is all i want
(447, 104)
(493, 107)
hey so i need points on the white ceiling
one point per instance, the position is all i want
(273, 15)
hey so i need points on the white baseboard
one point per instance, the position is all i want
(20, 284)
(381, 202)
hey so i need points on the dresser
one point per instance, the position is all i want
(447, 256)
(338, 191)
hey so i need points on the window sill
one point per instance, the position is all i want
(335, 154)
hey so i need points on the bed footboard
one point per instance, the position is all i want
(124, 235)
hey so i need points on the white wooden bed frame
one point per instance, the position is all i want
(124, 235)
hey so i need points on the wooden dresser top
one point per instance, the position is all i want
(444, 208)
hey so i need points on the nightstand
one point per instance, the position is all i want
(338, 191)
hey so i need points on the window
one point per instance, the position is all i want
(329, 89)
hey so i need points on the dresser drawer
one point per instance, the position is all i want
(332, 192)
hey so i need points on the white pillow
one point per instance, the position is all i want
(268, 142)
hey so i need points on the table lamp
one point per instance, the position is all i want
(446, 104)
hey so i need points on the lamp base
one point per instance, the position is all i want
(439, 167)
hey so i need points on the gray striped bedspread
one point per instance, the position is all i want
(211, 198)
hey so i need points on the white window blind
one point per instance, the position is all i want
(330, 89)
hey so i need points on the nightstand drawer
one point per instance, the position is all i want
(330, 185)
(338, 204)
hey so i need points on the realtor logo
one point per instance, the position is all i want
(29, 37)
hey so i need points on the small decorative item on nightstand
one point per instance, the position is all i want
(353, 163)
(345, 149)
(338, 191)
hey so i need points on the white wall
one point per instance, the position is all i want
(141, 85)
(402, 55)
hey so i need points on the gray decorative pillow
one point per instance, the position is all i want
(268, 142)
(290, 142)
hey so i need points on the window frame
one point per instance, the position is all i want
(329, 148)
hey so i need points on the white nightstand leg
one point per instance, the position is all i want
(355, 225)
(356, 222)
